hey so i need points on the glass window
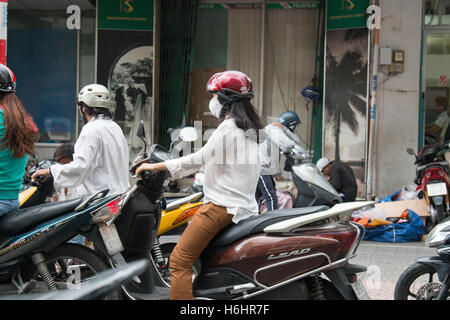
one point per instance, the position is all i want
(437, 12)
(437, 82)
(42, 52)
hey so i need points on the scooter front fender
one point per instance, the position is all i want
(440, 264)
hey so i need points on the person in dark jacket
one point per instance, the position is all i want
(341, 176)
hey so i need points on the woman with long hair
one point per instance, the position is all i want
(230, 160)
(17, 136)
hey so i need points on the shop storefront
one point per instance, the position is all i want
(55, 50)
(277, 43)
(436, 62)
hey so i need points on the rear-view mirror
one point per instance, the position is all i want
(188, 134)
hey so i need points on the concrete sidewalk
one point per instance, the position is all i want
(385, 262)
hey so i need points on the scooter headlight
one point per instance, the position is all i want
(439, 234)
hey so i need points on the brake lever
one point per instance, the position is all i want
(137, 165)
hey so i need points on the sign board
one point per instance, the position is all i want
(125, 14)
(346, 14)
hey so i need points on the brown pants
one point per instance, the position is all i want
(207, 222)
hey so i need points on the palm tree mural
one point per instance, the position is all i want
(346, 87)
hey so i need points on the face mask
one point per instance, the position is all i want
(215, 107)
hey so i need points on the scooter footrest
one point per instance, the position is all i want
(159, 294)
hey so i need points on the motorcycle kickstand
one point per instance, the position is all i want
(21, 286)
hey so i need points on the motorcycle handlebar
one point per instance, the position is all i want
(147, 174)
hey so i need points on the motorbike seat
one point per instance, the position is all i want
(21, 220)
(257, 224)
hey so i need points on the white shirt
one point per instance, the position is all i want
(231, 166)
(442, 119)
(100, 161)
(61, 194)
(278, 138)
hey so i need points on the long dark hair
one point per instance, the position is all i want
(242, 111)
(20, 130)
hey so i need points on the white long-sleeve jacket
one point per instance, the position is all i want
(100, 160)
(278, 139)
(231, 165)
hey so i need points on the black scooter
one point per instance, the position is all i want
(34, 255)
(429, 277)
(313, 189)
(95, 288)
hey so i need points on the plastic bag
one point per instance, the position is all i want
(391, 197)
(371, 213)
(408, 193)
(410, 231)
(284, 201)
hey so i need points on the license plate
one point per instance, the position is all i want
(359, 290)
(111, 239)
(436, 189)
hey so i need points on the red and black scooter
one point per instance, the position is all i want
(432, 178)
(300, 253)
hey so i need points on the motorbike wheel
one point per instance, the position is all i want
(166, 250)
(440, 212)
(70, 264)
(330, 292)
(418, 282)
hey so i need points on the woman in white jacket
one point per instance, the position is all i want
(231, 165)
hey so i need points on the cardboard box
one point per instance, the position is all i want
(396, 208)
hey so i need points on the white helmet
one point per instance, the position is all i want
(322, 163)
(95, 96)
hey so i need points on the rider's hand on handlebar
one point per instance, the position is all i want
(150, 167)
(41, 174)
(136, 163)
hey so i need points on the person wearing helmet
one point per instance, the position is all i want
(281, 137)
(100, 159)
(17, 136)
(229, 184)
(341, 177)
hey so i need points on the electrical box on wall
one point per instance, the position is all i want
(395, 59)
(385, 56)
(398, 61)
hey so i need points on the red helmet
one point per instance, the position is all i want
(234, 81)
(7, 79)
